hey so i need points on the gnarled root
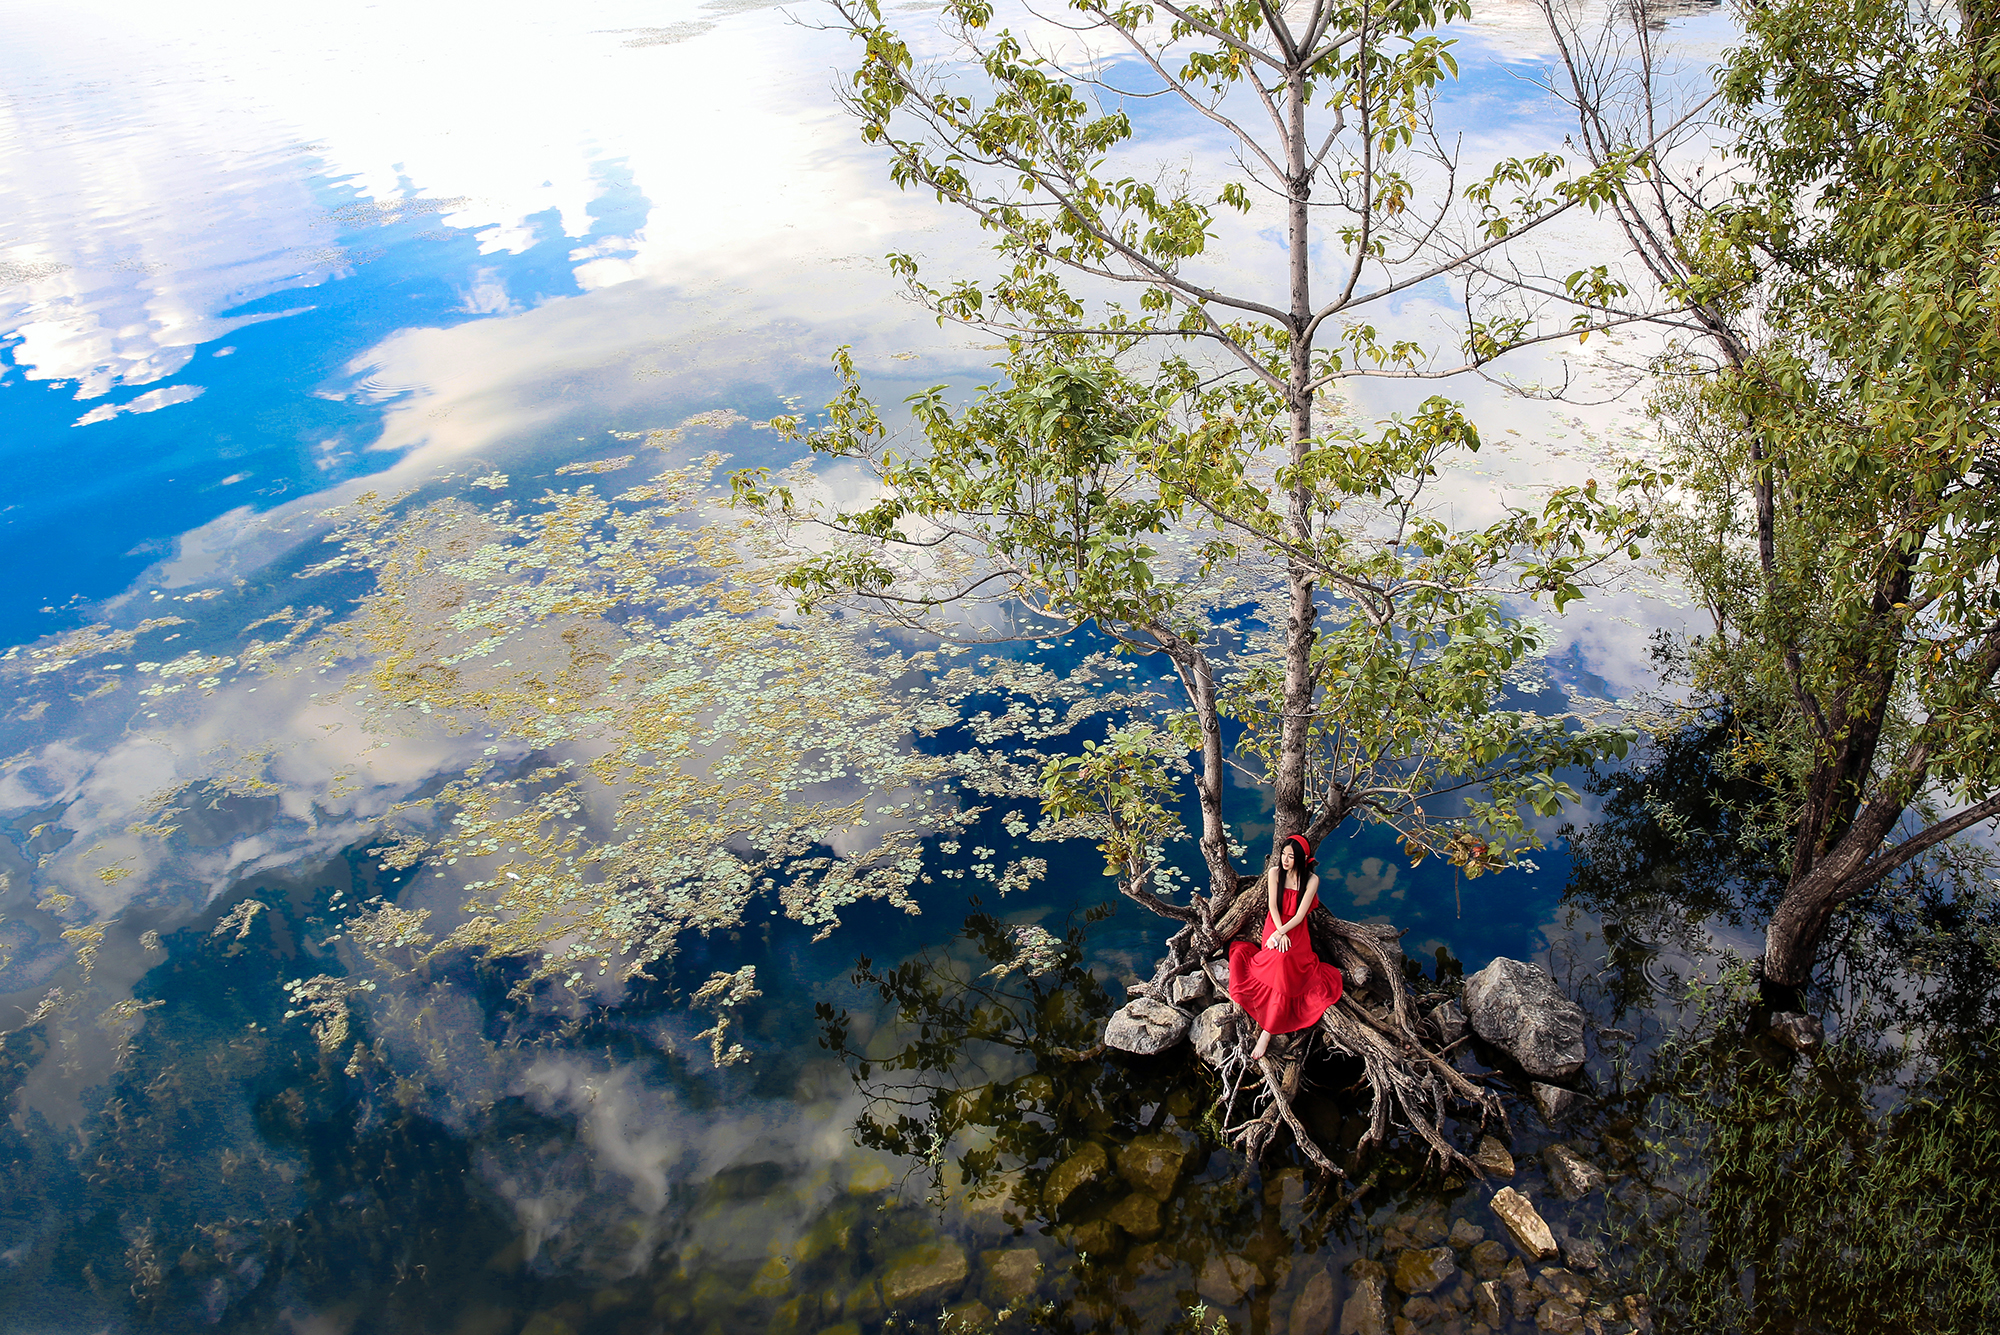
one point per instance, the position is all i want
(1413, 1086)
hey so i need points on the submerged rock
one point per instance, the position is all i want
(1422, 1270)
(1146, 1025)
(1011, 1274)
(1138, 1214)
(1525, 1223)
(1572, 1175)
(1486, 1303)
(974, 1315)
(1559, 1318)
(1488, 1259)
(1152, 1163)
(1312, 1313)
(1579, 1253)
(1551, 1101)
(1800, 1033)
(1095, 1237)
(1555, 1282)
(1087, 1165)
(1425, 1228)
(1225, 1279)
(1493, 1158)
(925, 1276)
(1519, 1009)
(1451, 1022)
(1364, 1313)
(1465, 1233)
(772, 1280)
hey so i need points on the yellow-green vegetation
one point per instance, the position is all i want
(670, 737)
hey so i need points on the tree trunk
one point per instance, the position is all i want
(1295, 727)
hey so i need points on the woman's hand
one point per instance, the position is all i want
(1277, 941)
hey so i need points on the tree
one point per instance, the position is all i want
(1172, 470)
(1829, 418)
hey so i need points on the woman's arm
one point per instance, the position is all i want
(1271, 898)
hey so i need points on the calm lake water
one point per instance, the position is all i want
(256, 262)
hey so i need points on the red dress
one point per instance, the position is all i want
(1283, 990)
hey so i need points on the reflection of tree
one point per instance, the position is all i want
(1029, 1031)
(1670, 852)
(1676, 852)
(1851, 1192)
(988, 1078)
(1765, 1192)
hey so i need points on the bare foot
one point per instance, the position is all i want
(1263, 1043)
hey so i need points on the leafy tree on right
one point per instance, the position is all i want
(1829, 412)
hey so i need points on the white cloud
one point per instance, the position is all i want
(151, 401)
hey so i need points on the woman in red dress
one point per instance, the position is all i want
(1284, 986)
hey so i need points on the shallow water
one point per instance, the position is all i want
(256, 264)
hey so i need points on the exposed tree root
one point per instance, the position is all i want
(1413, 1087)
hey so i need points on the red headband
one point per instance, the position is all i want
(1305, 849)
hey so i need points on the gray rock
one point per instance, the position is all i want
(1190, 990)
(1551, 1101)
(1217, 970)
(1572, 1175)
(1145, 1025)
(1312, 1314)
(1450, 1021)
(1519, 1009)
(1213, 1031)
(1800, 1033)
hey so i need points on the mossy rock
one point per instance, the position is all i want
(1138, 1214)
(1152, 1163)
(1087, 1165)
(792, 1317)
(560, 1322)
(864, 1302)
(772, 1280)
(870, 1178)
(1095, 1237)
(925, 1276)
(1010, 1274)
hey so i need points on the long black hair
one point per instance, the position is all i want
(1307, 864)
